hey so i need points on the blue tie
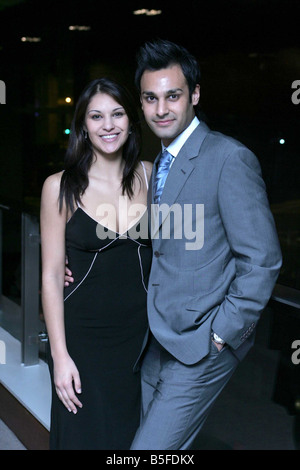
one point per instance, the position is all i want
(161, 175)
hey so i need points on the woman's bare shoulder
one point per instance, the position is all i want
(148, 167)
(51, 188)
(52, 182)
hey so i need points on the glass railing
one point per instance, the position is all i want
(20, 305)
(21, 313)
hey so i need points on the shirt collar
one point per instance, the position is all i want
(175, 146)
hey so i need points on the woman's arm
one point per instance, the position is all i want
(53, 225)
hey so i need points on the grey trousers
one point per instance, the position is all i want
(177, 398)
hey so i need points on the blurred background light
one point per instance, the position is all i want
(147, 12)
(79, 28)
(30, 39)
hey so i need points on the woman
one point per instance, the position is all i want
(94, 212)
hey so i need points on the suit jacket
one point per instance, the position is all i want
(223, 278)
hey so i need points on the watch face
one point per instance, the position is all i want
(217, 339)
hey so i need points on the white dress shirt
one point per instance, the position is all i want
(175, 146)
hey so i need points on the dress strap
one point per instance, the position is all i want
(145, 174)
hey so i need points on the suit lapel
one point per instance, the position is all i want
(179, 172)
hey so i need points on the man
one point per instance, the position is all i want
(203, 302)
(204, 297)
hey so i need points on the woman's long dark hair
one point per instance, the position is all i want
(79, 155)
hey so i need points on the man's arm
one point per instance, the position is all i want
(252, 236)
(68, 274)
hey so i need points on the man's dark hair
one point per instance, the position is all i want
(160, 54)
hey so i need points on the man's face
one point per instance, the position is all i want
(166, 102)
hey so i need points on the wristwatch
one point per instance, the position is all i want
(217, 338)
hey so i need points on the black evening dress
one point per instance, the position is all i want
(105, 323)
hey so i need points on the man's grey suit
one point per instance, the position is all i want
(224, 284)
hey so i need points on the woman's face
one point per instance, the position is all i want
(107, 124)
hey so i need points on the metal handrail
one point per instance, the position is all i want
(286, 295)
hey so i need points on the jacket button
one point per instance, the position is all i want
(157, 254)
